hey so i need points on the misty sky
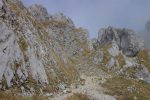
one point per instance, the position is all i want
(96, 14)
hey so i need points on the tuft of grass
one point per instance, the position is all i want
(54, 23)
(38, 97)
(17, 65)
(31, 80)
(8, 95)
(125, 89)
(130, 72)
(16, 9)
(67, 72)
(50, 89)
(144, 58)
(78, 96)
(23, 44)
(4, 83)
(107, 56)
(121, 60)
(45, 23)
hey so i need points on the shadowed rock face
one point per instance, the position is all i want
(147, 26)
(127, 42)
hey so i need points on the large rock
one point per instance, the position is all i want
(147, 26)
(126, 40)
(143, 74)
(12, 62)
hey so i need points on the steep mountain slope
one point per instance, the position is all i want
(37, 48)
(124, 57)
(47, 55)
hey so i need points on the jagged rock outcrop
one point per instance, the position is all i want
(12, 58)
(39, 12)
(148, 26)
(36, 46)
(126, 40)
(40, 52)
(120, 51)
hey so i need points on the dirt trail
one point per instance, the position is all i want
(91, 88)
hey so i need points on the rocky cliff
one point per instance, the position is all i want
(125, 39)
(47, 53)
(35, 45)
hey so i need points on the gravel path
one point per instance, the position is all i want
(91, 88)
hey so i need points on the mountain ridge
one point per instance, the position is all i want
(48, 55)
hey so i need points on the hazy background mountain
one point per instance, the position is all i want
(100, 13)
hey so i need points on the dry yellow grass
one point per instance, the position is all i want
(120, 87)
(50, 89)
(144, 58)
(67, 72)
(8, 95)
(37, 97)
(121, 60)
(78, 96)
(106, 53)
(23, 44)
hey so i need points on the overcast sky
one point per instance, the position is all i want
(96, 14)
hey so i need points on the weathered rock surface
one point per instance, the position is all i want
(126, 40)
(37, 46)
(39, 50)
(38, 11)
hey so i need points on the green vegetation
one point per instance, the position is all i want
(126, 89)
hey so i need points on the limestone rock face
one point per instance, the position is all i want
(143, 74)
(126, 40)
(36, 46)
(38, 11)
(39, 50)
(98, 57)
(114, 50)
(122, 53)
(12, 61)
